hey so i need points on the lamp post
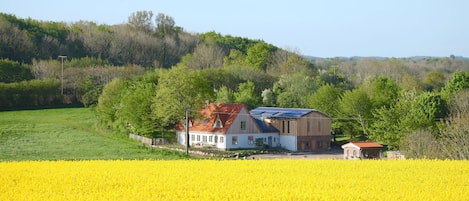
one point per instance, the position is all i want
(187, 132)
(62, 57)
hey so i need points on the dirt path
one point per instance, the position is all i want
(326, 155)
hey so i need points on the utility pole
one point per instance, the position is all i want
(187, 132)
(62, 57)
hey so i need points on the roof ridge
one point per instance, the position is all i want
(286, 108)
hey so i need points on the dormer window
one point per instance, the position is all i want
(217, 123)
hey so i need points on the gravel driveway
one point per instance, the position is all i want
(300, 155)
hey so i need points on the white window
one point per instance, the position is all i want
(222, 139)
(204, 138)
(218, 123)
(234, 140)
(192, 137)
(210, 138)
(198, 138)
(216, 139)
(250, 139)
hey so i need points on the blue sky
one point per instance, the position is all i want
(328, 28)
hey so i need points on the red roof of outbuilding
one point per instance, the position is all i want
(367, 144)
(361, 145)
(227, 113)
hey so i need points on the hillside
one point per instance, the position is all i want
(139, 41)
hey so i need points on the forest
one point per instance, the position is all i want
(141, 76)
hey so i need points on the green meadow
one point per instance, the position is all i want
(67, 134)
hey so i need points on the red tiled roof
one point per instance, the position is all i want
(227, 113)
(367, 144)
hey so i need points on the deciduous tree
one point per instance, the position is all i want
(433, 81)
(455, 137)
(326, 99)
(259, 55)
(142, 20)
(12, 71)
(459, 82)
(165, 24)
(420, 144)
(235, 57)
(393, 122)
(109, 102)
(179, 89)
(206, 55)
(410, 82)
(297, 63)
(382, 91)
(295, 89)
(410, 113)
(246, 95)
(136, 113)
(357, 105)
(454, 132)
(225, 95)
(15, 43)
(43, 69)
(268, 97)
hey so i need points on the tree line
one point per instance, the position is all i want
(141, 76)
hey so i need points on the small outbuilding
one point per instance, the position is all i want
(363, 150)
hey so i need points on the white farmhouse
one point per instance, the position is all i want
(232, 126)
(225, 126)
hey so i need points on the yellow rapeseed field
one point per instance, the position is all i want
(235, 180)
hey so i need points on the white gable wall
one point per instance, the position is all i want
(243, 116)
(288, 142)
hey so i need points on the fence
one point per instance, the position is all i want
(148, 141)
(395, 155)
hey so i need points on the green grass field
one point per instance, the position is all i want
(66, 134)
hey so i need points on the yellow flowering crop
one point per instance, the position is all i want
(235, 180)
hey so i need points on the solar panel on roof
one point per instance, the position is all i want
(280, 113)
